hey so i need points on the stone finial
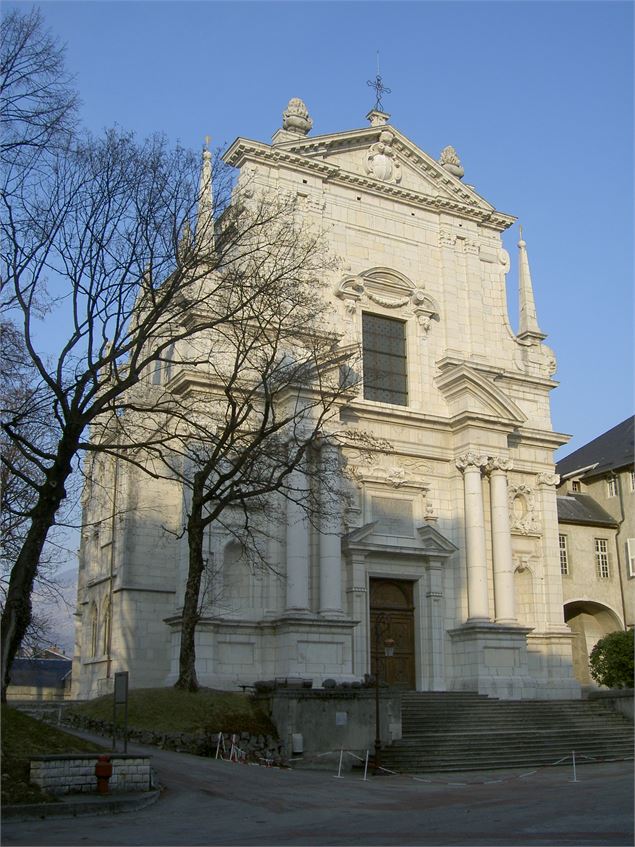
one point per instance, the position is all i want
(451, 162)
(205, 212)
(377, 118)
(528, 322)
(295, 117)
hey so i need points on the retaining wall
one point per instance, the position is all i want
(75, 773)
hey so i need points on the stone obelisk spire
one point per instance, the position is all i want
(528, 322)
(205, 213)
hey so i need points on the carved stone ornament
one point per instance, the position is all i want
(548, 479)
(522, 512)
(451, 162)
(522, 561)
(446, 238)
(471, 460)
(495, 463)
(295, 117)
(389, 291)
(380, 160)
(368, 467)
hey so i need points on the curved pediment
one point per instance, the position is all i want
(468, 392)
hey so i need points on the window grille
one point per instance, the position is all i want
(564, 555)
(385, 372)
(602, 557)
(575, 486)
(630, 549)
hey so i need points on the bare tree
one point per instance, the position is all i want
(266, 389)
(38, 104)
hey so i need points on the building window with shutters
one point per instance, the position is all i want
(602, 557)
(385, 371)
(564, 555)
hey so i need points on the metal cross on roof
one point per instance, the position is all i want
(380, 88)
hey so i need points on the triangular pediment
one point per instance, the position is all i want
(386, 155)
(431, 545)
(470, 393)
(379, 159)
(435, 544)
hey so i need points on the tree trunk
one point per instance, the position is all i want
(187, 656)
(16, 615)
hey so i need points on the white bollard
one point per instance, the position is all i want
(339, 770)
(366, 766)
(575, 778)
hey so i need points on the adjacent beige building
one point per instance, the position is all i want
(449, 531)
(596, 516)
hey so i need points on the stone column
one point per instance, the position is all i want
(297, 545)
(504, 600)
(330, 534)
(359, 611)
(477, 594)
(434, 608)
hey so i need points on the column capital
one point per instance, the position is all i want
(548, 479)
(471, 460)
(499, 463)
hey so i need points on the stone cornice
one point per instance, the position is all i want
(461, 205)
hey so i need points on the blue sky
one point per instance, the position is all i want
(537, 98)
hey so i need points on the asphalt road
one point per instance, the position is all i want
(206, 802)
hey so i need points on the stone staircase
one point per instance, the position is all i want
(459, 731)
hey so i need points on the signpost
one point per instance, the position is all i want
(120, 699)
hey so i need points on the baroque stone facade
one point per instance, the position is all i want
(449, 531)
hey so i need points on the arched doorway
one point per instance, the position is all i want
(589, 621)
(391, 603)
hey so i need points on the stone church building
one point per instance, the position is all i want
(450, 534)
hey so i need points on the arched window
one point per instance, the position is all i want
(106, 628)
(94, 630)
(237, 577)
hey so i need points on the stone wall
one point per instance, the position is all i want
(256, 747)
(332, 719)
(620, 699)
(75, 773)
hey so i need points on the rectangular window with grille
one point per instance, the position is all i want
(611, 487)
(602, 557)
(630, 549)
(564, 555)
(385, 372)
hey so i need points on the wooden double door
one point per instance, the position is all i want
(392, 617)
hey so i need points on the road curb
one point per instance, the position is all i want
(78, 806)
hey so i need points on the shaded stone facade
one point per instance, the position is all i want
(454, 495)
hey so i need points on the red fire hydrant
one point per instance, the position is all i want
(103, 772)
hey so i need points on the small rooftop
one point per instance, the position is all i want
(612, 450)
(582, 509)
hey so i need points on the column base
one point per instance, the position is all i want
(491, 658)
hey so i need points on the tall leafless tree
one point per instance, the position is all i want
(266, 389)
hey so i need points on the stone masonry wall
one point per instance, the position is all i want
(75, 774)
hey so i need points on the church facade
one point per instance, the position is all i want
(447, 542)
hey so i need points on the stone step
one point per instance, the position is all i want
(464, 730)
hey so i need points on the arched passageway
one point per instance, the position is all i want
(589, 622)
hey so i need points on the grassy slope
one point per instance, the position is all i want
(23, 737)
(168, 710)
